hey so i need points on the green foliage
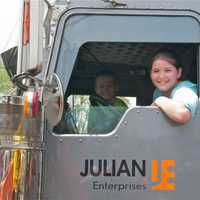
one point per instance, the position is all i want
(5, 82)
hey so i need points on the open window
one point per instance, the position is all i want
(131, 64)
(125, 46)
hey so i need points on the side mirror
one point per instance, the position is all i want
(53, 99)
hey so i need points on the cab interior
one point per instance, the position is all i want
(131, 63)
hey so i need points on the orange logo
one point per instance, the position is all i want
(162, 182)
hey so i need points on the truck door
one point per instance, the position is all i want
(144, 155)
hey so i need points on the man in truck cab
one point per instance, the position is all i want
(106, 109)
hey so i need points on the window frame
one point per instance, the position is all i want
(57, 44)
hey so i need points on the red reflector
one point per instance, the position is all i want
(35, 104)
(26, 23)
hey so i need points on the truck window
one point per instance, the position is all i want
(130, 62)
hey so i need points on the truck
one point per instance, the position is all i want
(46, 149)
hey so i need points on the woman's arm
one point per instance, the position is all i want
(175, 110)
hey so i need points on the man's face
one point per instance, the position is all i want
(106, 88)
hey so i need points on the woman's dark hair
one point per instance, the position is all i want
(169, 55)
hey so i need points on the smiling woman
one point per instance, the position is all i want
(177, 99)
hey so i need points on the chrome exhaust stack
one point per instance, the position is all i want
(20, 148)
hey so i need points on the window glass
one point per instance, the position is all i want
(81, 117)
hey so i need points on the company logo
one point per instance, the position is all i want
(162, 180)
(161, 174)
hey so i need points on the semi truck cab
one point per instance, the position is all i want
(144, 155)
